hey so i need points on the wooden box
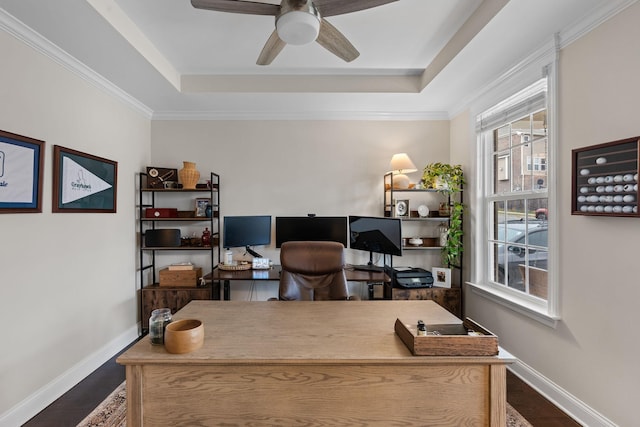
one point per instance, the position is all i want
(180, 277)
(480, 342)
(161, 213)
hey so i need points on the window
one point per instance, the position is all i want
(514, 143)
(538, 164)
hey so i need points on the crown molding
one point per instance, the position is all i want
(26, 35)
(606, 11)
(311, 115)
(546, 52)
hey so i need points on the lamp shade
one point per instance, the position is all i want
(401, 163)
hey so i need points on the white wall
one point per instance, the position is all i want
(591, 357)
(67, 281)
(291, 168)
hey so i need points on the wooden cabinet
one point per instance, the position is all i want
(154, 296)
(448, 298)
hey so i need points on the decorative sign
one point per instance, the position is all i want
(82, 182)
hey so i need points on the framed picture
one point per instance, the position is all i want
(83, 182)
(21, 170)
(201, 206)
(441, 277)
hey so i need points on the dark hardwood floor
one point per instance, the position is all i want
(534, 407)
(78, 402)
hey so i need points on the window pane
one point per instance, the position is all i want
(536, 280)
(539, 209)
(521, 131)
(540, 123)
(498, 256)
(538, 164)
(516, 210)
(499, 214)
(502, 140)
(518, 169)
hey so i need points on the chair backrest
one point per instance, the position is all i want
(312, 271)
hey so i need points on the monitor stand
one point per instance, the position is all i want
(370, 266)
(253, 253)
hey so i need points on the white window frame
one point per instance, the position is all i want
(546, 312)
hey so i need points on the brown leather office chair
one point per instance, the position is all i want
(312, 271)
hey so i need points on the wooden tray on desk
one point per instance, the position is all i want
(483, 343)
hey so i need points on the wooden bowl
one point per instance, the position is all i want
(183, 336)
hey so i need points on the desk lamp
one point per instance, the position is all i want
(400, 165)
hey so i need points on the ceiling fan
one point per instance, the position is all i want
(298, 22)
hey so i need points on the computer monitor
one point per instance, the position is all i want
(246, 231)
(314, 228)
(375, 234)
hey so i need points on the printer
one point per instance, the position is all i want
(410, 278)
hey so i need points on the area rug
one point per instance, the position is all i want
(112, 412)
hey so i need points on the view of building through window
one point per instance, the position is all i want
(518, 203)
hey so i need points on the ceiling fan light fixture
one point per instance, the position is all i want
(298, 27)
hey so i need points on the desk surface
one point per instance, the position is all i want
(328, 332)
(274, 274)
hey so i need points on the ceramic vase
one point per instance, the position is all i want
(188, 175)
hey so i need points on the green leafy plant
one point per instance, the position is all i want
(448, 179)
(451, 176)
(452, 251)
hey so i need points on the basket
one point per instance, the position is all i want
(236, 267)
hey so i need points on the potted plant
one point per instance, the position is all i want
(443, 177)
(448, 179)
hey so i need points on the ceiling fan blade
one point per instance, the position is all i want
(238, 6)
(339, 7)
(335, 42)
(271, 49)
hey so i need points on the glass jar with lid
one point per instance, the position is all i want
(159, 319)
(443, 233)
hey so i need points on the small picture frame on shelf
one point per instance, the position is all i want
(441, 277)
(402, 209)
(201, 206)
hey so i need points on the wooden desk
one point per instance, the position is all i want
(311, 363)
(273, 274)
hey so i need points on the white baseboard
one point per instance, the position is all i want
(32, 405)
(568, 403)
